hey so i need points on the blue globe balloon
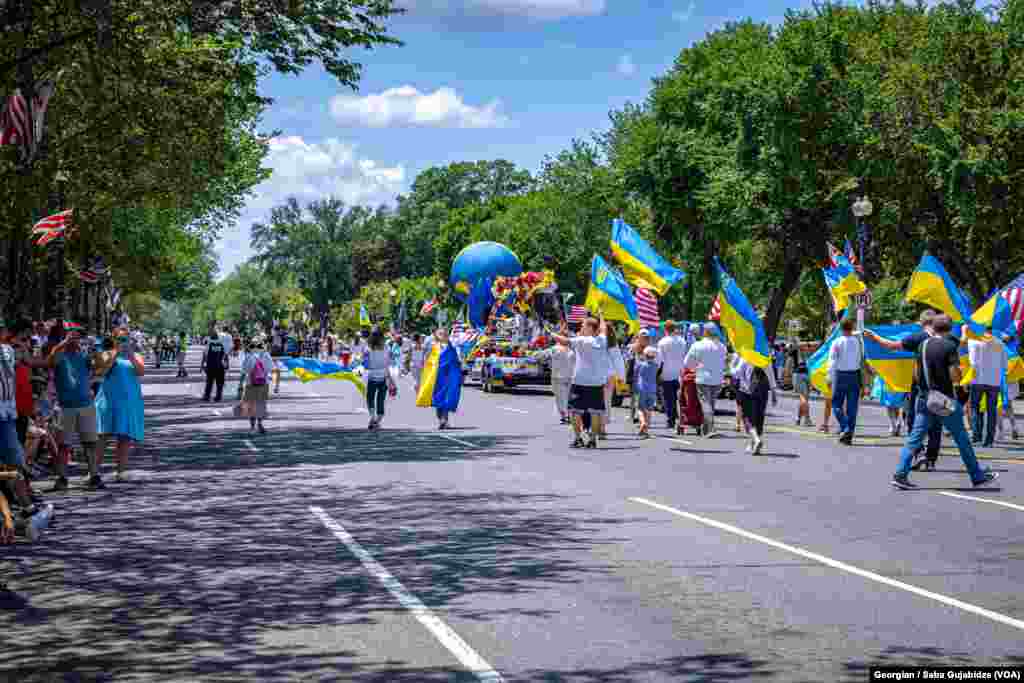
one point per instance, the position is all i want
(481, 260)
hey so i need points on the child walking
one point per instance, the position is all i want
(646, 381)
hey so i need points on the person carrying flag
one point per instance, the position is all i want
(590, 374)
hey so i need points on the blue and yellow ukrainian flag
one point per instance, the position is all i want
(819, 365)
(309, 369)
(610, 296)
(842, 281)
(742, 324)
(441, 380)
(931, 284)
(896, 368)
(641, 265)
(994, 314)
(364, 316)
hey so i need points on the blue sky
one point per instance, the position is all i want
(476, 79)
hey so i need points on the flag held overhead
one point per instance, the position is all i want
(931, 285)
(641, 264)
(610, 296)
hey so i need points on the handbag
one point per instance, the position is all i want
(938, 403)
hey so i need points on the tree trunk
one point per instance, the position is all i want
(791, 272)
(688, 299)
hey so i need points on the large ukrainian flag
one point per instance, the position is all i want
(309, 369)
(842, 281)
(819, 364)
(995, 314)
(441, 380)
(895, 367)
(642, 266)
(742, 324)
(931, 284)
(610, 296)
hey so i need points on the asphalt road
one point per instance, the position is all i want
(323, 552)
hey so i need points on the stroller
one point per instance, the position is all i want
(690, 412)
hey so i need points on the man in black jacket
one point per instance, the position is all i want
(215, 364)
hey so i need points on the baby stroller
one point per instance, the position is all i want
(690, 412)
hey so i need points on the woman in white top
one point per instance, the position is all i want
(563, 361)
(377, 361)
(256, 376)
(415, 360)
(616, 370)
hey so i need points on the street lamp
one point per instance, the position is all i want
(862, 208)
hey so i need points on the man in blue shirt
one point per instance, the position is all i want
(72, 375)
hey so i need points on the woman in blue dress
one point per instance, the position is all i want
(119, 407)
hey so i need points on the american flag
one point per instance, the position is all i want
(1013, 293)
(577, 314)
(833, 255)
(17, 127)
(428, 307)
(715, 314)
(52, 227)
(647, 308)
(68, 325)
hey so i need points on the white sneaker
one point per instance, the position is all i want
(758, 445)
(750, 447)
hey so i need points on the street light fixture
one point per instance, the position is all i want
(862, 208)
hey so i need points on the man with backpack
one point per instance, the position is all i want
(215, 364)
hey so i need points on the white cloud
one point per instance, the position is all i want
(683, 16)
(626, 67)
(309, 171)
(408, 107)
(544, 10)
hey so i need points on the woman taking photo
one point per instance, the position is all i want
(119, 408)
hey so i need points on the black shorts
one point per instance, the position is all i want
(586, 400)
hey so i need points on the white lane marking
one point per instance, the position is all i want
(982, 500)
(452, 438)
(842, 566)
(514, 410)
(215, 412)
(252, 446)
(466, 655)
(675, 438)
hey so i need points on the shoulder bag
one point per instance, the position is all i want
(938, 403)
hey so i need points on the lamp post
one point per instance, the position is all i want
(862, 208)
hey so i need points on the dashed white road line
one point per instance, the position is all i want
(676, 438)
(452, 438)
(982, 500)
(466, 655)
(835, 564)
(216, 411)
(514, 410)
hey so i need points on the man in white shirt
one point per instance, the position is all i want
(708, 358)
(590, 374)
(989, 359)
(845, 357)
(672, 351)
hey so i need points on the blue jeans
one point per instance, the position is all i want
(923, 422)
(846, 400)
(11, 452)
(376, 392)
(992, 400)
(934, 434)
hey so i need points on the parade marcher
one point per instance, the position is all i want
(616, 371)
(215, 364)
(1010, 391)
(844, 378)
(377, 361)
(448, 375)
(415, 359)
(120, 411)
(182, 350)
(938, 370)
(755, 385)
(73, 371)
(989, 359)
(646, 383)
(589, 377)
(562, 361)
(801, 384)
(672, 350)
(912, 344)
(256, 369)
(892, 401)
(708, 358)
(640, 344)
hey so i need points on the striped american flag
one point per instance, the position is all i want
(577, 314)
(1013, 293)
(52, 227)
(647, 308)
(17, 126)
(715, 314)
